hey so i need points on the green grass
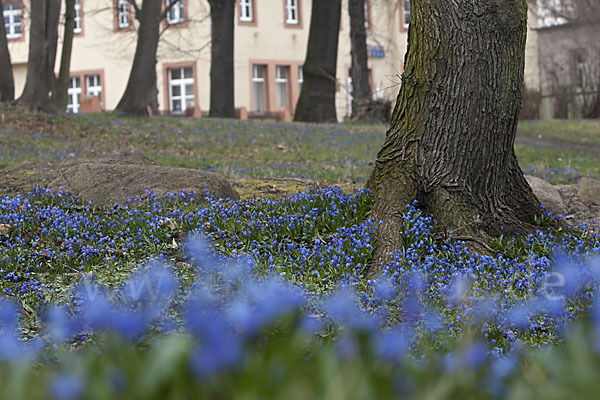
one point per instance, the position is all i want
(580, 131)
(337, 153)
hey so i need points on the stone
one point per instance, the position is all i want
(547, 194)
(105, 183)
(589, 191)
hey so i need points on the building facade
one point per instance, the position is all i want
(270, 47)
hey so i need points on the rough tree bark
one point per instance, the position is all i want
(359, 70)
(43, 39)
(61, 84)
(450, 142)
(317, 97)
(7, 81)
(222, 14)
(141, 94)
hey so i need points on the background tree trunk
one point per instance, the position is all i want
(317, 97)
(222, 14)
(450, 142)
(359, 71)
(7, 81)
(45, 15)
(141, 93)
(61, 84)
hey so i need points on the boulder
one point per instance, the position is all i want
(547, 194)
(589, 191)
(104, 183)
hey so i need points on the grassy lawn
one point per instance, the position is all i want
(341, 153)
(267, 297)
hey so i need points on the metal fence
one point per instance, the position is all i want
(566, 103)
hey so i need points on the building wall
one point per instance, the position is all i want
(104, 49)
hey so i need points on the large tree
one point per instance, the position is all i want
(359, 70)
(222, 14)
(7, 82)
(42, 55)
(141, 93)
(450, 142)
(317, 97)
(61, 84)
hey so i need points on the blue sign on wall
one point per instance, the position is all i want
(376, 51)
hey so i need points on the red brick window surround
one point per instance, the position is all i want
(180, 86)
(274, 85)
(292, 13)
(247, 12)
(123, 15)
(13, 20)
(85, 83)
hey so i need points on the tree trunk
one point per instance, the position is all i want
(7, 82)
(36, 95)
(451, 138)
(317, 97)
(141, 93)
(359, 70)
(61, 84)
(222, 14)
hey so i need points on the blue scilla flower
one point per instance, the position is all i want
(67, 387)
(473, 355)
(392, 345)
(197, 247)
(150, 289)
(60, 325)
(342, 307)
(458, 290)
(385, 289)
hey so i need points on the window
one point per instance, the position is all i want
(578, 68)
(123, 14)
(93, 85)
(300, 77)
(246, 11)
(12, 13)
(282, 74)
(291, 12)
(405, 13)
(259, 86)
(181, 88)
(175, 15)
(74, 93)
(77, 28)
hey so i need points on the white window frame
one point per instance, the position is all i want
(77, 29)
(300, 76)
(257, 79)
(406, 13)
(93, 85)
(123, 14)
(74, 93)
(175, 15)
(14, 12)
(291, 12)
(187, 100)
(279, 80)
(246, 11)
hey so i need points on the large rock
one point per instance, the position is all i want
(103, 183)
(589, 191)
(547, 194)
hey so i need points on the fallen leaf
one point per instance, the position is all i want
(5, 229)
